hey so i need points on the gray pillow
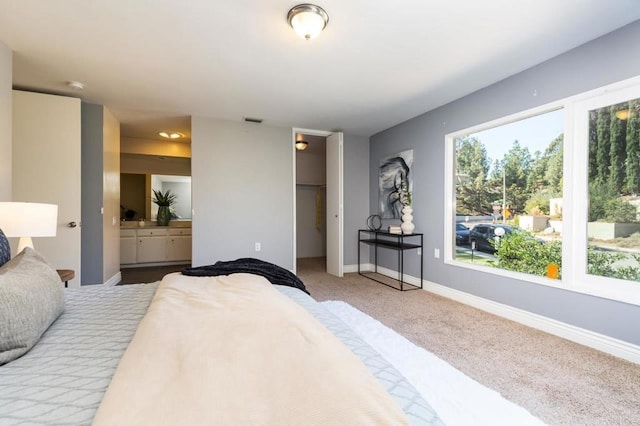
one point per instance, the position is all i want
(31, 298)
(5, 249)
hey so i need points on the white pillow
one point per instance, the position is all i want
(31, 298)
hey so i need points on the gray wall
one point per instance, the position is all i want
(608, 59)
(242, 191)
(356, 200)
(91, 257)
(6, 102)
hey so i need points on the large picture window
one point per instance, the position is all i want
(606, 200)
(552, 195)
(508, 195)
(613, 228)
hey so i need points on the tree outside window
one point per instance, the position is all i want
(614, 191)
(505, 175)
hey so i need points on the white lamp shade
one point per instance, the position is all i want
(28, 219)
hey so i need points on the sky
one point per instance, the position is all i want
(534, 133)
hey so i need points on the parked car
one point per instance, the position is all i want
(484, 236)
(462, 235)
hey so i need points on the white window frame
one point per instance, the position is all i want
(579, 279)
(575, 194)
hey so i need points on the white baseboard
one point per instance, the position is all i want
(349, 269)
(114, 280)
(610, 345)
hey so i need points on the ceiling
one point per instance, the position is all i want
(377, 63)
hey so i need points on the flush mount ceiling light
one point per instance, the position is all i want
(308, 20)
(301, 145)
(75, 85)
(171, 135)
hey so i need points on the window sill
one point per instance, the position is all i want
(619, 290)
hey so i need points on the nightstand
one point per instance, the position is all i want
(66, 275)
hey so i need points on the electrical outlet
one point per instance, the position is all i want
(436, 253)
(258, 247)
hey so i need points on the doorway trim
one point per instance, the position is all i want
(294, 130)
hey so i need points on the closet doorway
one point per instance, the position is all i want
(311, 196)
(318, 199)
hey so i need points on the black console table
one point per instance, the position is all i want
(398, 242)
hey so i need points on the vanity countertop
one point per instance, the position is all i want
(133, 224)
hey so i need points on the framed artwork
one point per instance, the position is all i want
(394, 174)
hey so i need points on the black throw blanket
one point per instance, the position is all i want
(274, 273)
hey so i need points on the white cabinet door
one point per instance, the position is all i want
(152, 249)
(128, 250)
(178, 248)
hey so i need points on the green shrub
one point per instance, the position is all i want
(605, 205)
(619, 210)
(519, 251)
(536, 211)
(601, 263)
(599, 194)
(538, 202)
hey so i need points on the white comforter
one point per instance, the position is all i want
(232, 350)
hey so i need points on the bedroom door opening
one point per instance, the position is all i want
(318, 199)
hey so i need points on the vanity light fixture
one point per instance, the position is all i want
(301, 145)
(308, 20)
(171, 135)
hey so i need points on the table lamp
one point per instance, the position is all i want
(26, 220)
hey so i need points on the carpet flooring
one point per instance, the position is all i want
(445, 387)
(558, 381)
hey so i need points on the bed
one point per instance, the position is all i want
(228, 349)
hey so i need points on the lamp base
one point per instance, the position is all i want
(24, 242)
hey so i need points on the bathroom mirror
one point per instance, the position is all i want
(136, 193)
(178, 185)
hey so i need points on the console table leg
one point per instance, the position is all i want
(359, 243)
(421, 261)
(401, 268)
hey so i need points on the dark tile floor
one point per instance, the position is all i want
(148, 274)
